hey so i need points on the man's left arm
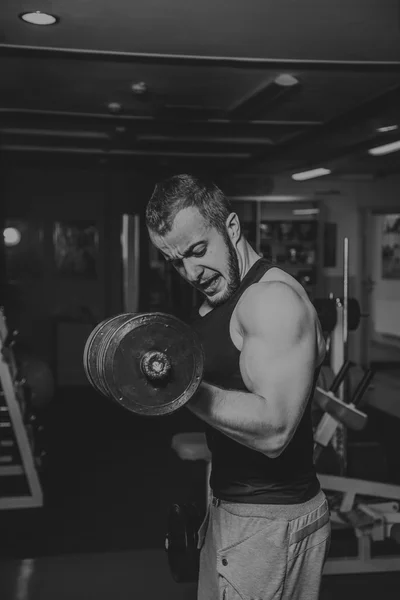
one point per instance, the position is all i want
(277, 363)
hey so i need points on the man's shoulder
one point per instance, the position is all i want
(277, 286)
(270, 293)
(270, 304)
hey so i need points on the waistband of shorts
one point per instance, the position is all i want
(271, 511)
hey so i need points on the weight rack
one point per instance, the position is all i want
(17, 461)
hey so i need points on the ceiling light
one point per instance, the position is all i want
(306, 211)
(310, 174)
(114, 107)
(387, 128)
(38, 18)
(385, 149)
(139, 88)
(286, 80)
(12, 236)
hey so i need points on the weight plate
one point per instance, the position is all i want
(354, 314)
(124, 362)
(91, 352)
(107, 333)
(326, 311)
(181, 542)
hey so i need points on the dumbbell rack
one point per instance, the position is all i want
(17, 461)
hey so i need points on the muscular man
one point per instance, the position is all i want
(266, 534)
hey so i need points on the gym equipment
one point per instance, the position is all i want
(149, 363)
(16, 449)
(181, 542)
(184, 521)
(38, 379)
(347, 413)
(327, 314)
(369, 508)
(336, 411)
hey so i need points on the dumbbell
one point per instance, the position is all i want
(149, 363)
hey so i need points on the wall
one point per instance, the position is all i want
(344, 203)
(56, 313)
(386, 305)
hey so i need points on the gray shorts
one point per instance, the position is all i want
(263, 551)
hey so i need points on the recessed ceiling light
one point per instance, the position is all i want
(139, 88)
(310, 174)
(114, 107)
(38, 18)
(286, 80)
(387, 128)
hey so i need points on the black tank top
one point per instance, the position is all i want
(239, 474)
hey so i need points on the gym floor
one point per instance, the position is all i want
(109, 479)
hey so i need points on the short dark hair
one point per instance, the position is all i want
(182, 191)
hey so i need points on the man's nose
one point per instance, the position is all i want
(193, 271)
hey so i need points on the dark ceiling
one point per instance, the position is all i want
(205, 97)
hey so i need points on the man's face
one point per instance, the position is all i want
(202, 255)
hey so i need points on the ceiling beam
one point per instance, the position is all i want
(143, 125)
(239, 62)
(123, 152)
(46, 132)
(303, 144)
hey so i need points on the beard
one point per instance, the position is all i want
(232, 279)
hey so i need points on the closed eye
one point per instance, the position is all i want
(199, 254)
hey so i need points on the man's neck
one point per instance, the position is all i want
(247, 257)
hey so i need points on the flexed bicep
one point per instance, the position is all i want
(278, 355)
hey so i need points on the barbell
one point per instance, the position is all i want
(149, 363)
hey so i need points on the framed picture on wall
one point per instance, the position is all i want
(76, 247)
(391, 247)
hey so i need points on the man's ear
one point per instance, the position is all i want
(233, 228)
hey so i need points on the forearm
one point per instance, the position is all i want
(242, 416)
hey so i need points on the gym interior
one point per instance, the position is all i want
(293, 109)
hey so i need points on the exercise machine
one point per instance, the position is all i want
(19, 478)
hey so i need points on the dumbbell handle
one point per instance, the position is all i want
(155, 365)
